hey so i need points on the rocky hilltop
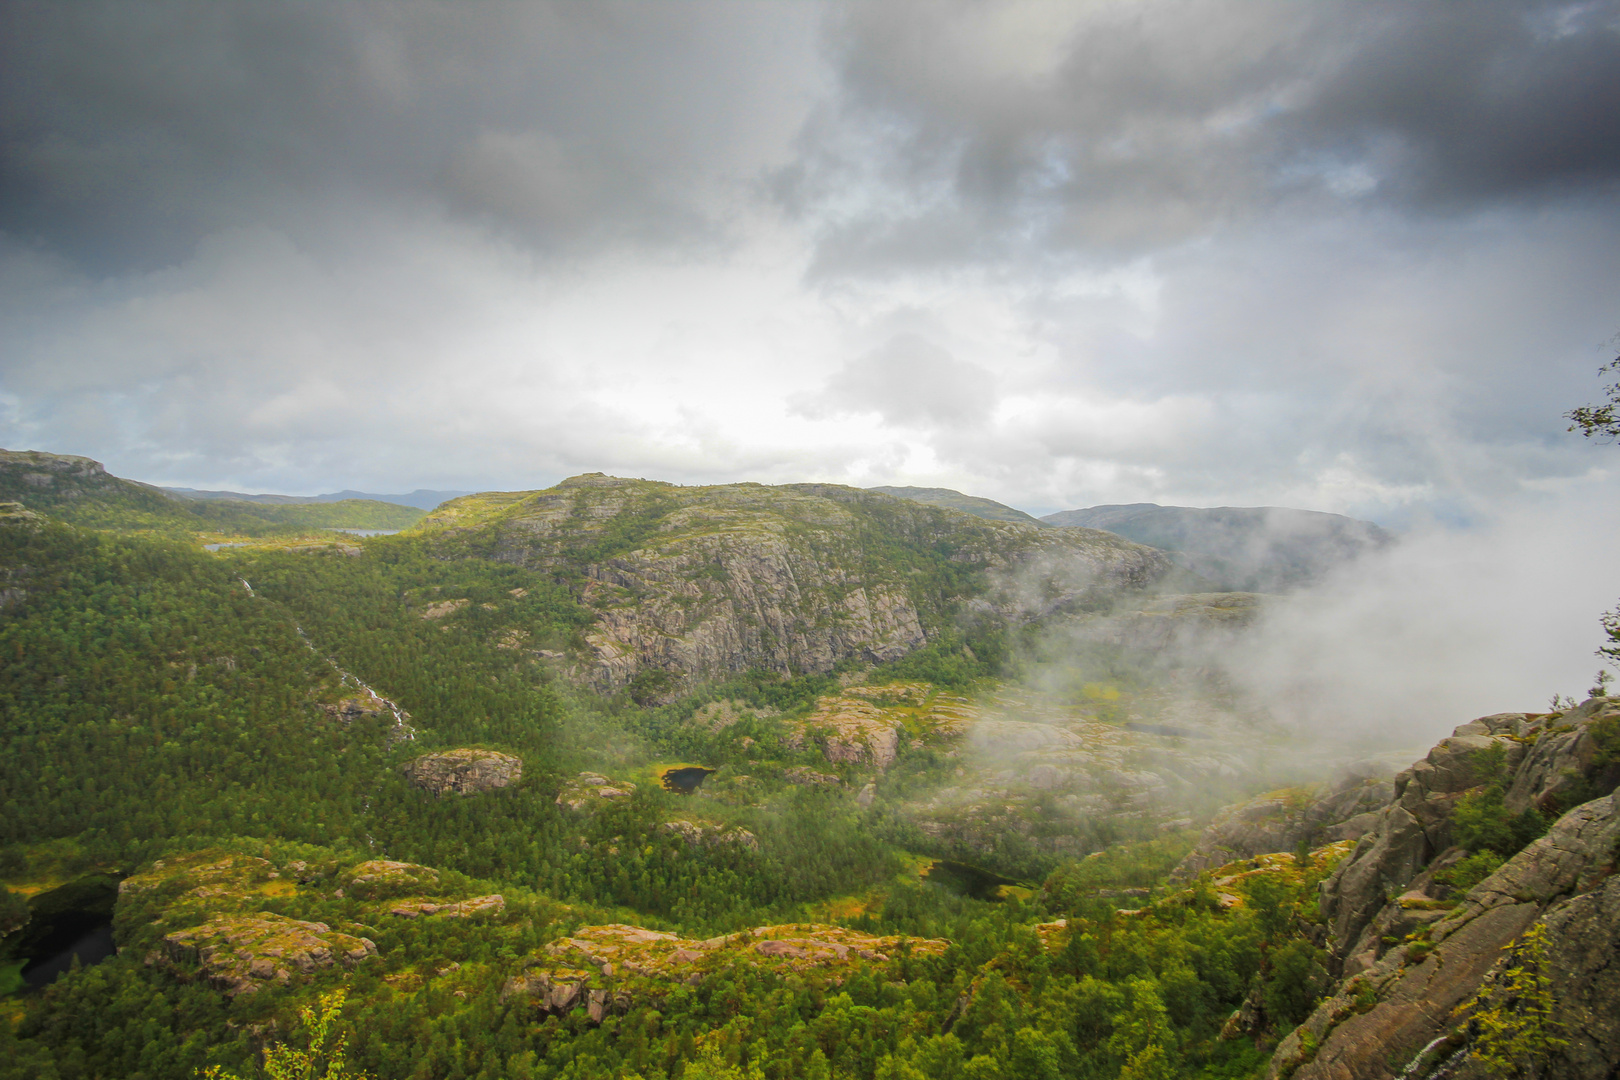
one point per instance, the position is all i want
(691, 582)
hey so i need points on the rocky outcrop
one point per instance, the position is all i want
(697, 582)
(377, 878)
(708, 834)
(239, 953)
(604, 969)
(864, 725)
(492, 904)
(1289, 819)
(464, 772)
(1409, 1014)
(1543, 758)
(806, 777)
(589, 790)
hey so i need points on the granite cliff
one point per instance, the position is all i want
(688, 583)
(1434, 969)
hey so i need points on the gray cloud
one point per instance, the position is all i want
(131, 131)
(1006, 131)
(1349, 256)
(909, 380)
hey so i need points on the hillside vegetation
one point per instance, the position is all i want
(950, 778)
(78, 490)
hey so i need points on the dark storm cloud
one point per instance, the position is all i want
(128, 131)
(1010, 130)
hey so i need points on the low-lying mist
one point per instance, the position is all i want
(1404, 644)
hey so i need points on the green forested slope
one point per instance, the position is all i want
(164, 708)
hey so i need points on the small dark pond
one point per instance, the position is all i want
(684, 780)
(74, 920)
(91, 947)
(965, 880)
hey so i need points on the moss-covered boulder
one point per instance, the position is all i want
(590, 790)
(239, 953)
(379, 878)
(464, 772)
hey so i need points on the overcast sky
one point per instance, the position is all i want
(1354, 256)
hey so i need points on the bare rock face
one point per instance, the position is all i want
(239, 953)
(464, 772)
(704, 581)
(864, 725)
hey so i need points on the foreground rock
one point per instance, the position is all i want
(464, 772)
(604, 969)
(1544, 758)
(239, 953)
(1424, 991)
(1421, 966)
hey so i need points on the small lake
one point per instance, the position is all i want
(684, 780)
(70, 921)
(965, 880)
(367, 532)
(91, 947)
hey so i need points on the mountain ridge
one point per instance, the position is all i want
(1250, 549)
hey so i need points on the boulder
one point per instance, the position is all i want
(464, 772)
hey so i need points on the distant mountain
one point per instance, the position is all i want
(955, 500)
(421, 498)
(1253, 549)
